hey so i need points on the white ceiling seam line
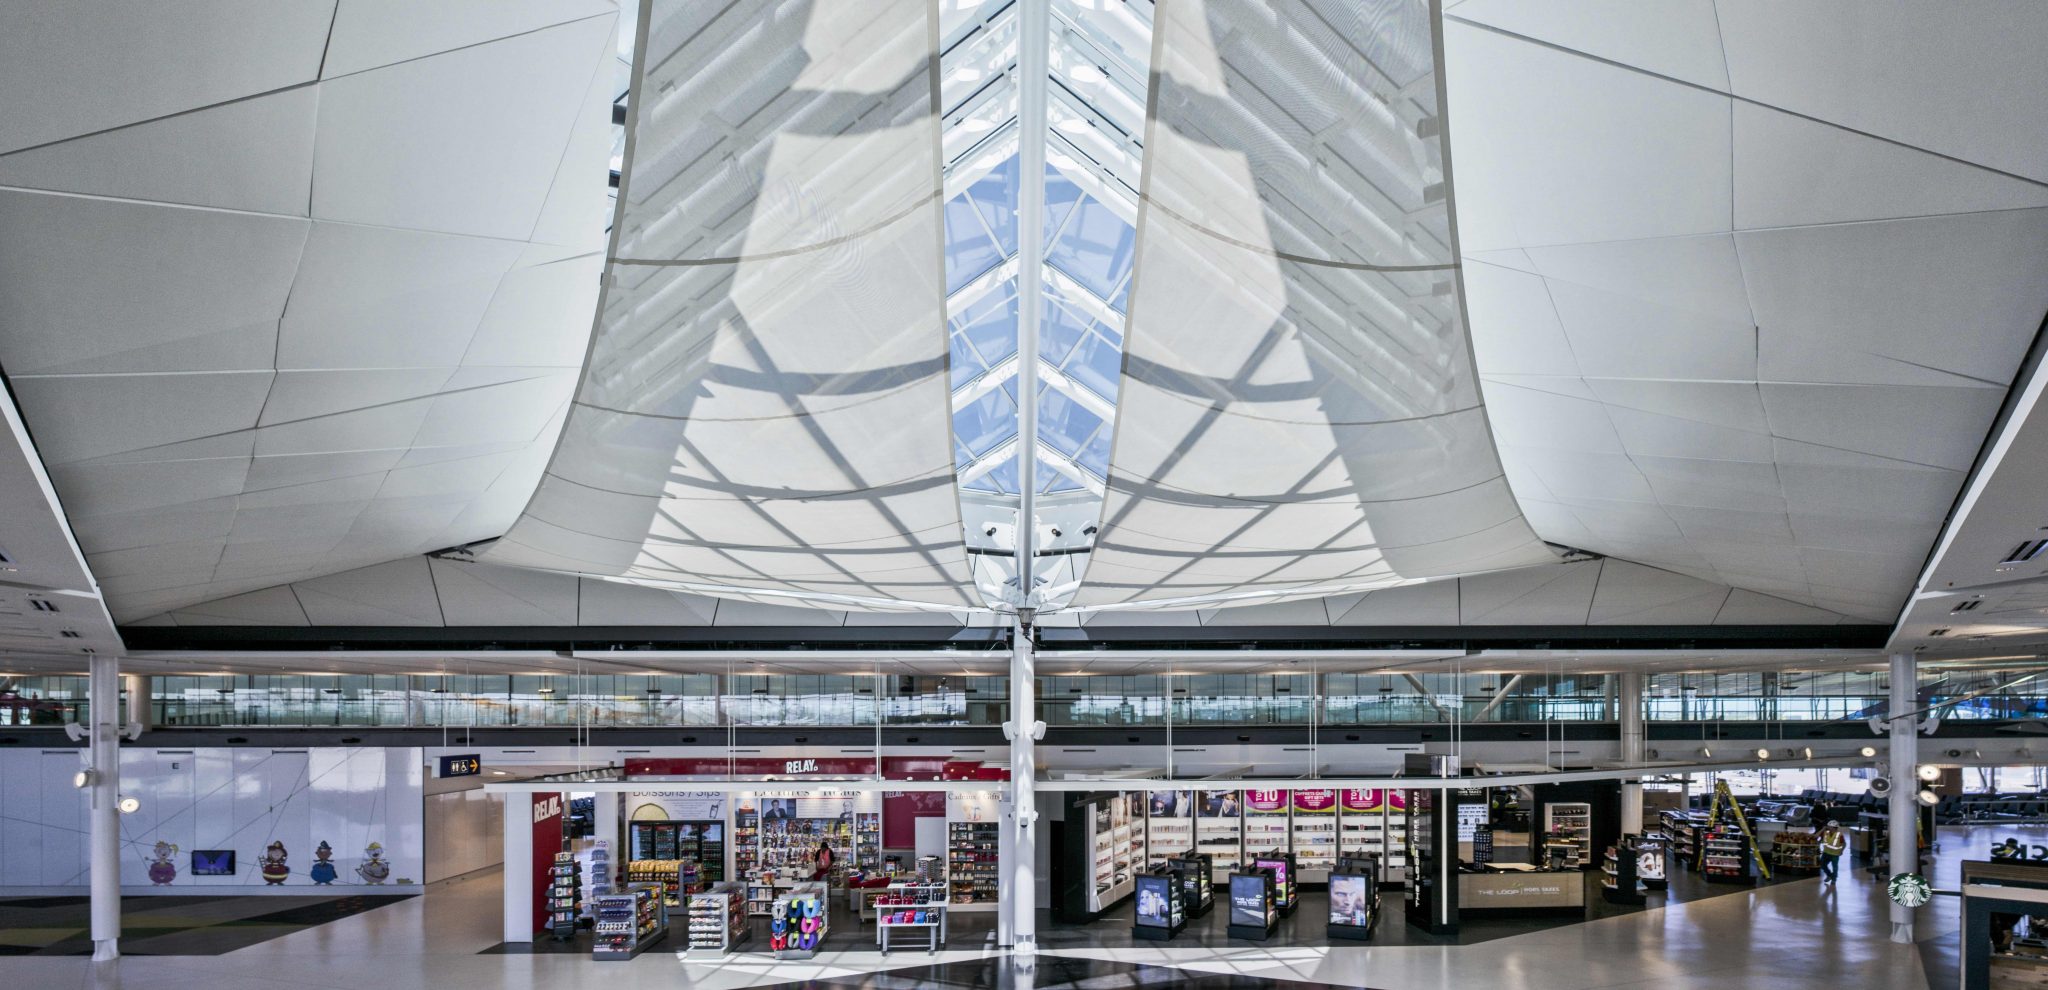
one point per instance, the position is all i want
(1676, 81)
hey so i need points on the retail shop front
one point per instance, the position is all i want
(697, 854)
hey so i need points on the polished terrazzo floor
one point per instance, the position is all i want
(1796, 934)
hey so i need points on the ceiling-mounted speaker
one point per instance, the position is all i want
(1880, 787)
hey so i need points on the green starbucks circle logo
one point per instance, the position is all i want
(1910, 889)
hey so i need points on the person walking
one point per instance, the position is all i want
(1832, 845)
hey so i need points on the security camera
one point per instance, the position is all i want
(1090, 531)
(1056, 532)
(990, 531)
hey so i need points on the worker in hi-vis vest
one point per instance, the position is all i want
(1832, 844)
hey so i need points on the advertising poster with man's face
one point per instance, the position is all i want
(1350, 900)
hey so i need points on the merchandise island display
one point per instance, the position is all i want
(1253, 913)
(627, 923)
(1354, 904)
(799, 920)
(718, 918)
(1161, 907)
(911, 910)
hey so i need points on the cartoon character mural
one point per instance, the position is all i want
(274, 869)
(162, 871)
(375, 870)
(322, 871)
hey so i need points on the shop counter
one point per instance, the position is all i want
(1521, 890)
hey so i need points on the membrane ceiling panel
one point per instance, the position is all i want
(290, 289)
(765, 405)
(1749, 281)
(1299, 412)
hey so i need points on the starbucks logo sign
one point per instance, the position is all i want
(1910, 889)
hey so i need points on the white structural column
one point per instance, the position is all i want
(1903, 809)
(138, 687)
(518, 873)
(1019, 889)
(1629, 699)
(1034, 64)
(103, 704)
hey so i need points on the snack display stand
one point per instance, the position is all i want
(718, 918)
(798, 921)
(629, 922)
(911, 909)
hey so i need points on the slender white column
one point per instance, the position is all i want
(1629, 699)
(518, 872)
(1904, 810)
(103, 703)
(1020, 873)
(1034, 64)
(139, 712)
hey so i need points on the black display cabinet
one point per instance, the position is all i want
(1253, 912)
(1161, 911)
(1197, 889)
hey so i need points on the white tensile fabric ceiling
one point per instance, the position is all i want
(1749, 280)
(1746, 281)
(288, 289)
(766, 403)
(1300, 412)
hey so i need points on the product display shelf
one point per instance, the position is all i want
(1222, 840)
(1725, 856)
(799, 921)
(1681, 833)
(627, 923)
(972, 869)
(565, 897)
(1161, 911)
(1167, 838)
(1797, 848)
(1394, 868)
(1264, 835)
(676, 877)
(1361, 833)
(762, 890)
(911, 909)
(600, 869)
(718, 918)
(1315, 845)
(1618, 878)
(746, 841)
(867, 841)
(787, 845)
(1569, 822)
